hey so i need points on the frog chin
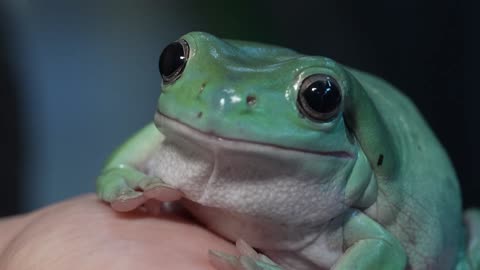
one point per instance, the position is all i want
(263, 184)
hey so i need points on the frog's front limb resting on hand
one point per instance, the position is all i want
(127, 188)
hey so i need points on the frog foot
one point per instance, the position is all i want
(248, 259)
(148, 196)
(127, 189)
(472, 222)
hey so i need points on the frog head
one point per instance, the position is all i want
(255, 92)
(267, 114)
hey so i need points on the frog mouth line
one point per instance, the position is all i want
(163, 120)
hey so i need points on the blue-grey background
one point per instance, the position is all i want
(81, 76)
(90, 78)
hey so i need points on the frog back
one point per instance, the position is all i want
(421, 202)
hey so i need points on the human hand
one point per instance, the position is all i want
(84, 233)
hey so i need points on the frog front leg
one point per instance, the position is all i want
(369, 246)
(123, 184)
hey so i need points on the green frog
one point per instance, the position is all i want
(313, 164)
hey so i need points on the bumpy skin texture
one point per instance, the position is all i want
(371, 188)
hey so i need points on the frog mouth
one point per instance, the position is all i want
(168, 124)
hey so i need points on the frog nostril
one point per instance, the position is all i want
(199, 114)
(251, 100)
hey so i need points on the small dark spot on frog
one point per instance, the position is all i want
(380, 160)
(251, 100)
(199, 114)
(202, 87)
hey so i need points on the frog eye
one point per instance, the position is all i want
(319, 98)
(173, 60)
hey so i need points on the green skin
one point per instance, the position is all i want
(371, 188)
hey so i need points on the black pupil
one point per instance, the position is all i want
(171, 59)
(322, 96)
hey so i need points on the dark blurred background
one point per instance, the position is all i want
(79, 78)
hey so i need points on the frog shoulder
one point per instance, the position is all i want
(379, 89)
(409, 131)
(397, 109)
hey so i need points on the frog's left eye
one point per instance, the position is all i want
(173, 60)
(319, 98)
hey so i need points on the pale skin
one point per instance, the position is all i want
(83, 233)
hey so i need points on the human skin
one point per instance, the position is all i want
(83, 233)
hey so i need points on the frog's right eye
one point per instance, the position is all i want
(173, 60)
(319, 98)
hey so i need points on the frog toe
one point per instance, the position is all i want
(472, 222)
(249, 259)
(112, 187)
(162, 192)
(156, 189)
(223, 261)
(128, 202)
